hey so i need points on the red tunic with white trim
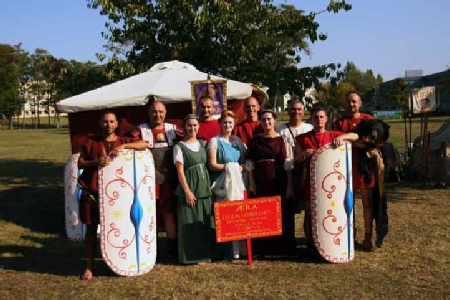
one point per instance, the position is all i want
(313, 140)
(349, 124)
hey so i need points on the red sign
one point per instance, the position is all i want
(244, 219)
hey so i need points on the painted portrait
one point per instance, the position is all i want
(216, 89)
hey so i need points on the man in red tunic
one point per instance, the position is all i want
(209, 127)
(98, 151)
(348, 123)
(161, 138)
(252, 125)
(308, 143)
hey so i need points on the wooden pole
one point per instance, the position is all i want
(249, 242)
(410, 134)
(422, 142)
(406, 137)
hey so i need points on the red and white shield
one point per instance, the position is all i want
(128, 213)
(332, 227)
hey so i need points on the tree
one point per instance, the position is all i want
(10, 101)
(364, 82)
(253, 41)
(39, 87)
(400, 93)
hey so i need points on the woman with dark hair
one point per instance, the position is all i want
(270, 161)
(225, 160)
(195, 216)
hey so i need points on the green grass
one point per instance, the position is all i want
(37, 261)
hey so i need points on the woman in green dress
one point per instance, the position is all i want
(195, 215)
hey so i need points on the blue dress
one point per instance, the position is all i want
(225, 153)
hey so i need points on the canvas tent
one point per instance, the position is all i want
(439, 155)
(168, 81)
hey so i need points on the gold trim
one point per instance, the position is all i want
(193, 95)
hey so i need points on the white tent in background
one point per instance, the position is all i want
(167, 81)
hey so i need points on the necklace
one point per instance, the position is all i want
(110, 144)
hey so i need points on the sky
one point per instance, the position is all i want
(388, 37)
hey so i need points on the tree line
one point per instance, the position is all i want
(351, 79)
(41, 79)
(248, 40)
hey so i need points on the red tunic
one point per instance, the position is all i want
(312, 140)
(349, 124)
(269, 155)
(208, 130)
(246, 130)
(94, 148)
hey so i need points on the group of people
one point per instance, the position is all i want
(195, 165)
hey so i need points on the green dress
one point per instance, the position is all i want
(195, 224)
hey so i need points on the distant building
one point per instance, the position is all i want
(36, 105)
(415, 79)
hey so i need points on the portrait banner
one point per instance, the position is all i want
(216, 89)
(423, 100)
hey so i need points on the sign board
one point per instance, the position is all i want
(216, 89)
(244, 219)
(424, 100)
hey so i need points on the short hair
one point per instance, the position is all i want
(295, 100)
(316, 108)
(268, 111)
(257, 98)
(108, 112)
(152, 103)
(227, 113)
(353, 92)
(190, 117)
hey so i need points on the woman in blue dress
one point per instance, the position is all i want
(226, 153)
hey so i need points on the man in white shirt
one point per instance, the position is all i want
(295, 127)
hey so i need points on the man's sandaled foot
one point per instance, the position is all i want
(87, 275)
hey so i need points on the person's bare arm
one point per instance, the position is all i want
(349, 137)
(138, 145)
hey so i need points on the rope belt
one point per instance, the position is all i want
(264, 160)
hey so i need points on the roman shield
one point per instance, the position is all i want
(75, 229)
(332, 203)
(128, 213)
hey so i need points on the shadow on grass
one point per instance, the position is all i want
(32, 197)
(56, 256)
(31, 173)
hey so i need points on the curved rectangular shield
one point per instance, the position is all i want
(75, 229)
(332, 202)
(128, 213)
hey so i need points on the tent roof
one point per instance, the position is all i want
(168, 81)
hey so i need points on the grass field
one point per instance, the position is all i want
(37, 261)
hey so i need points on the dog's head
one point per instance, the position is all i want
(373, 132)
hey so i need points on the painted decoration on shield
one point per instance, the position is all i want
(214, 88)
(75, 229)
(128, 213)
(332, 203)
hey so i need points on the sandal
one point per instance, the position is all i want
(367, 244)
(87, 275)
